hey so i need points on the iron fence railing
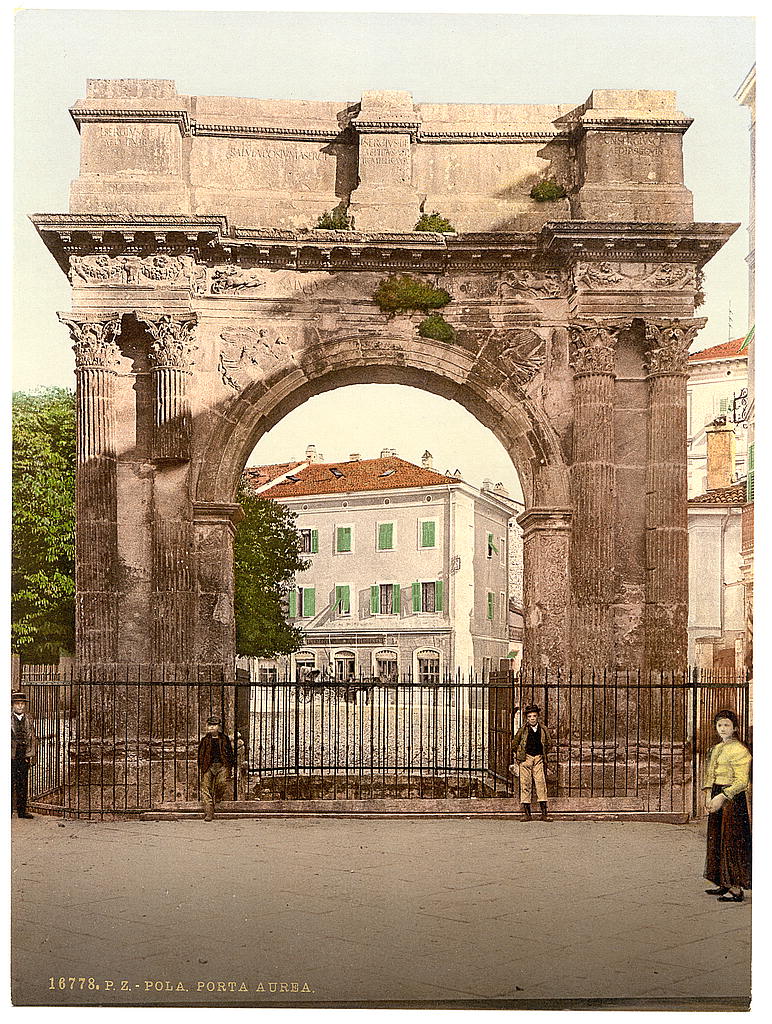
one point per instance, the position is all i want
(124, 739)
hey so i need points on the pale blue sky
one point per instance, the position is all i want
(489, 58)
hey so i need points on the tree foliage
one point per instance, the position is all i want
(267, 558)
(43, 523)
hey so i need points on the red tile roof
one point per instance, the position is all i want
(344, 477)
(256, 476)
(726, 350)
(732, 495)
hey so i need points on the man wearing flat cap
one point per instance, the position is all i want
(215, 760)
(24, 749)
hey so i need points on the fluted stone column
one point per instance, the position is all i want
(666, 612)
(173, 602)
(546, 533)
(171, 348)
(96, 538)
(593, 488)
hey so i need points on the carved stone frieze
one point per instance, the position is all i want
(251, 353)
(171, 339)
(236, 279)
(592, 346)
(94, 340)
(523, 282)
(513, 355)
(623, 276)
(667, 344)
(142, 271)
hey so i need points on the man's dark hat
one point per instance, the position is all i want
(214, 720)
(18, 695)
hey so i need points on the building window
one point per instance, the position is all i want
(385, 536)
(305, 664)
(306, 602)
(385, 666)
(309, 541)
(490, 605)
(427, 533)
(502, 550)
(428, 668)
(491, 545)
(344, 537)
(503, 606)
(427, 596)
(342, 599)
(344, 664)
(385, 599)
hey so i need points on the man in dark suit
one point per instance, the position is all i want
(215, 761)
(24, 748)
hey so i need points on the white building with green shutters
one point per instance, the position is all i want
(410, 569)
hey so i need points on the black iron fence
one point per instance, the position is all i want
(121, 740)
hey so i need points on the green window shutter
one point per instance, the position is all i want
(490, 605)
(343, 539)
(293, 603)
(314, 542)
(723, 406)
(438, 589)
(385, 536)
(427, 535)
(396, 599)
(309, 601)
(375, 604)
(416, 597)
(345, 599)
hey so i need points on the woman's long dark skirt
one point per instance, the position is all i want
(729, 843)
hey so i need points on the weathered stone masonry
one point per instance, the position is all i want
(205, 306)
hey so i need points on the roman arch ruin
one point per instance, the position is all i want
(206, 305)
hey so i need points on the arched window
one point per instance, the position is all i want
(386, 666)
(344, 664)
(305, 665)
(426, 667)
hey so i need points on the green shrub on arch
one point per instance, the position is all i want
(433, 222)
(548, 191)
(334, 220)
(437, 327)
(402, 293)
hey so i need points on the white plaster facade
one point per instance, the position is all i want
(716, 605)
(716, 377)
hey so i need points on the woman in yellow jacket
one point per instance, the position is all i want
(728, 861)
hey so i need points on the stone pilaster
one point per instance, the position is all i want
(666, 611)
(593, 486)
(171, 348)
(96, 537)
(546, 533)
(215, 530)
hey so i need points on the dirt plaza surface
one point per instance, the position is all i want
(313, 912)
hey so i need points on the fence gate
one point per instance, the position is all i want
(118, 742)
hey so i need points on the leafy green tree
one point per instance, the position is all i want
(267, 558)
(43, 523)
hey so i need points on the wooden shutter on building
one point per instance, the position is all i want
(427, 534)
(343, 539)
(396, 599)
(314, 542)
(309, 601)
(438, 596)
(416, 597)
(385, 536)
(375, 604)
(293, 603)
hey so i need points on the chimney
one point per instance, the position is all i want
(311, 453)
(385, 453)
(354, 457)
(426, 460)
(487, 485)
(721, 453)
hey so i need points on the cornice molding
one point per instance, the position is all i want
(95, 115)
(211, 239)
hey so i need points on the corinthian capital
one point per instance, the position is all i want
(172, 339)
(667, 344)
(94, 340)
(592, 345)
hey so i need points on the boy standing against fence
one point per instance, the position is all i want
(531, 745)
(215, 760)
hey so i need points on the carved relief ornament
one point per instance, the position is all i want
(592, 346)
(171, 342)
(247, 347)
(534, 284)
(94, 341)
(667, 345)
(616, 275)
(147, 271)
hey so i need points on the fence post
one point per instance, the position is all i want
(695, 678)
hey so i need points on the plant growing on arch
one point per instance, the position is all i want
(547, 191)
(437, 327)
(402, 293)
(433, 222)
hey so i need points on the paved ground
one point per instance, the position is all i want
(369, 912)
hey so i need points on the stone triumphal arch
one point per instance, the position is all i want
(206, 305)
